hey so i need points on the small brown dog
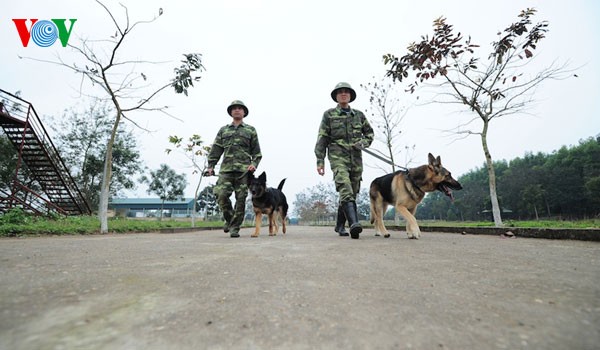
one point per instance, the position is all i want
(267, 200)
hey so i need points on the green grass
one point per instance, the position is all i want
(17, 223)
(579, 224)
(555, 224)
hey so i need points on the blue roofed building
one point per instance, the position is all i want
(151, 207)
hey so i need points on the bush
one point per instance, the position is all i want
(15, 216)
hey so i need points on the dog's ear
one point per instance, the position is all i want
(435, 164)
(263, 177)
(250, 177)
(431, 159)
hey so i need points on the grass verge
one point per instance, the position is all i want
(17, 223)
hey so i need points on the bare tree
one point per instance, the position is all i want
(196, 152)
(123, 83)
(386, 115)
(499, 88)
(317, 204)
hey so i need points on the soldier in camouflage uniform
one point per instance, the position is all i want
(342, 129)
(238, 144)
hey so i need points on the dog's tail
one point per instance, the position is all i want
(372, 199)
(281, 184)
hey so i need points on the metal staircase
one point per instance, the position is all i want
(59, 192)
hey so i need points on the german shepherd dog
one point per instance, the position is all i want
(405, 190)
(267, 200)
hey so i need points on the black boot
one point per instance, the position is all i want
(341, 221)
(352, 217)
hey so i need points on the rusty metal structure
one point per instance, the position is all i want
(57, 191)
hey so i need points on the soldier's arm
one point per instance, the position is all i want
(255, 153)
(216, 150)
(323, 140)
(367, 131)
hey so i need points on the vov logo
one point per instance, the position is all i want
(44, 33)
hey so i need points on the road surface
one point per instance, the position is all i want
(309, 289)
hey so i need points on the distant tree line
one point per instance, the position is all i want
(563, 185)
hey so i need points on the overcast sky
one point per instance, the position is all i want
(283, 58)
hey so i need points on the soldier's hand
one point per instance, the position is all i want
(362, 144)
(251, 168)
(321, 170)
(209, 172)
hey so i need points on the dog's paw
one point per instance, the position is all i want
(413, 235)
(254, 235)
(385, 234)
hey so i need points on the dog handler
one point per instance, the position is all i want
(238, 144)
(341, 129)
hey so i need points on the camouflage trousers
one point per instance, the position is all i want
(227, 184)
(347, 181)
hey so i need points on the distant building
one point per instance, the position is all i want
(150, 207)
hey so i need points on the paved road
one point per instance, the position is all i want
(307, 290)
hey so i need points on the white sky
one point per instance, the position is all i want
(283, 58)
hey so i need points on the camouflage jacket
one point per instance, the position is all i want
(239, 147)
(338, 133)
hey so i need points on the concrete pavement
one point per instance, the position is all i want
(308, 289)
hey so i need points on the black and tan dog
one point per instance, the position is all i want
(405, 190)
(267, 200)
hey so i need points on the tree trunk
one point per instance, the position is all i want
(195, 200)
(105, 188)
(492, 177)
(194, 209)
(391, 153)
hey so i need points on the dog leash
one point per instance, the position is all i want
(404, 169)
(214, 173)
(383, 159)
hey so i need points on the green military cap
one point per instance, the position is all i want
(343, 85)
(237, 103)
